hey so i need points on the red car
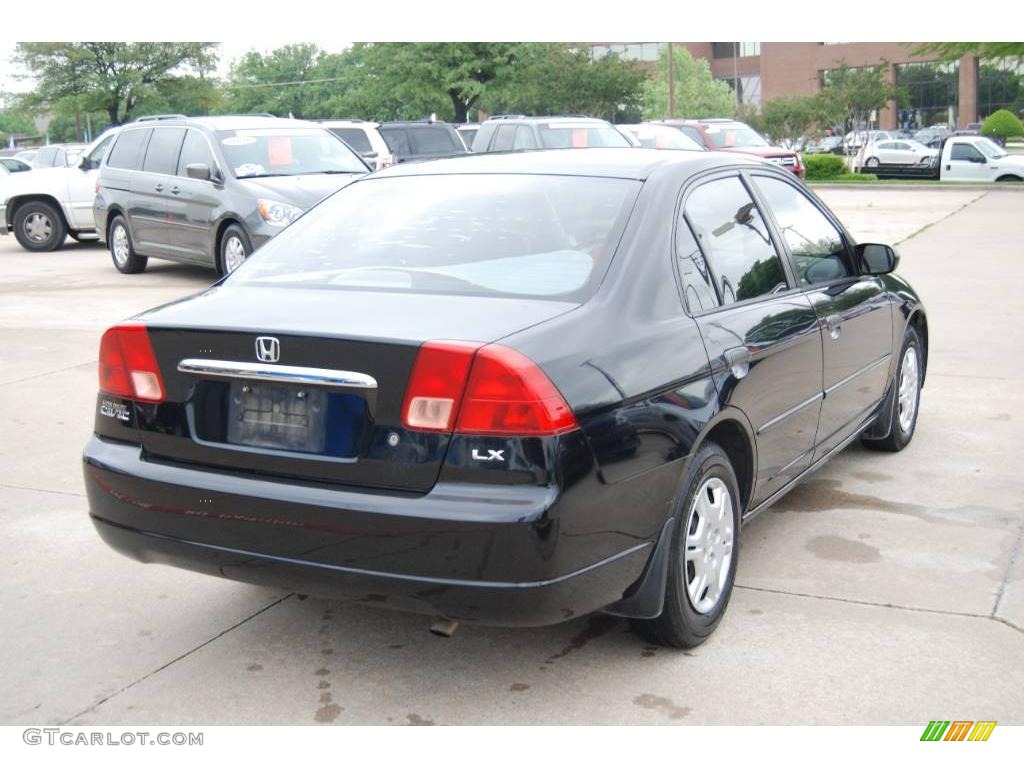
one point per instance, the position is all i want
(726, 135)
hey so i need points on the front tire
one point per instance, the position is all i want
(704, 554)
(235, 248)
(122, 252)
(903, 415)
(39, 226)
(871, 162)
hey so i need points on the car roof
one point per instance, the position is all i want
(351, 123)
(618, 162)
(543, 118)
(228, 122)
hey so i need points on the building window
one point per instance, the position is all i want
(730, 50)
(933, 93)
(627, 51)
(1000, 86)
(749, 87)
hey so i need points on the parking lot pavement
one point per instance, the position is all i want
(886, 589)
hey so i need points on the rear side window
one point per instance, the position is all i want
(195, 150)
(524, 139)
(163, 150)
(694, 134)
(817, 248)
(505, 139)
(698, 286)
(126, 151)
(397, 140)
(355, 138)
(45, 157)
(735, 241)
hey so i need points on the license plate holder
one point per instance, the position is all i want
(282, 417)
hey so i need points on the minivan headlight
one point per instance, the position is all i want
(277, 214)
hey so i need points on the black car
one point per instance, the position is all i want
(421, 140)
(529, 387)
(210, 190)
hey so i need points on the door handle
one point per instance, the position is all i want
(834, 323)
(738, 359)
(175, 190)
(159, 187)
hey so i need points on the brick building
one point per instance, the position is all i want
(958, 92)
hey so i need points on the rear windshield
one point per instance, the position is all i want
(286, 152)
(563, 135)
(728, 136)
(434, 140)
(355, 138)
(479, 235)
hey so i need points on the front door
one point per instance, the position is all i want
(762, 336)
(194, 232)
(966, 163)
(852, 310)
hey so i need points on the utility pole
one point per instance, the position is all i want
(736, 72)
(671, 87)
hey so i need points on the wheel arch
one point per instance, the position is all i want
(1009, 177)
(919, 323)
(731, 431)
(112, 211)
(16, 201)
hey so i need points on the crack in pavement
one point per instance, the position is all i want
(944, 218)
(48, 373)
(1014, 554)
(41, 490)
(175, 660)
(871, 604)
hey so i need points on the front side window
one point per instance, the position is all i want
(163, 150)
(504, 235)
(194, 151)
(735, 241)
(126, 151)
(257, 153)
(397, 140)
(817, 248)
(95, 158)
(963, 151)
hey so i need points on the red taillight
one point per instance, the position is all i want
(482, 390)
(128, 366)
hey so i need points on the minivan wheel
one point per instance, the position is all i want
(39, 226)
(234, 249)
(704, 554)
(903, 419)
(121, 249)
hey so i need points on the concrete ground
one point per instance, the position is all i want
(888, 589)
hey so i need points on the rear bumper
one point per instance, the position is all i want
(493, 555)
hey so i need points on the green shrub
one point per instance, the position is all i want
(1002, 124)
(821, 167)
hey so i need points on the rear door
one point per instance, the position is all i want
(761, 336)
(156, 207)
(853, 310)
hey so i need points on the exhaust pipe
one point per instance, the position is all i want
(444, 627)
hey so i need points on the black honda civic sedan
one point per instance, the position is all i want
(509, 389)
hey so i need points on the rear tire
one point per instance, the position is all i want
(122, 252)
(234, 249)
(39, 226)
(703, 556)
(871, 162)
(903, 415)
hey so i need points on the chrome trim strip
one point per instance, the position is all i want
(855, 374)
(785, 414)
(284, 374)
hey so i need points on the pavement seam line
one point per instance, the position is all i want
(175, 660)
(1014, 554)
(937, 221)
(851, 601)
(48, 373)
(42, 490)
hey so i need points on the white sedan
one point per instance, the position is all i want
(897, 152)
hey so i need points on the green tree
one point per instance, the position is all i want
(787, 117)
(851, 94)
(110, 77)
(288, 80)
(15, 121)
(697, 93)
(953, 51)
(550, 78)
(1002, 124)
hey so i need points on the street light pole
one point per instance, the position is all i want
(671, 87)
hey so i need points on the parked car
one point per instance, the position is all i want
(57, 155)
(365, 138)
(528, 387)
(655, 136)
(971, 129)
(733, 136)
(210, 190)
(13, 165)
(899, 152)
(828, 145)
(503, 133)
(413, 140)
(43, 207)
(854, 141)
(930, 137)
(978, 158)
(468, 132)
(26, 155)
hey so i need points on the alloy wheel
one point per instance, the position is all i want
(908, 391)
(38, 227)
(709, 544)
(120, 243)
(234, 253)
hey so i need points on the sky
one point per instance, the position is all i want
(229, 51)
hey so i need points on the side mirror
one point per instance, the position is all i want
(877, 259)
(981, 160)
(198, 171)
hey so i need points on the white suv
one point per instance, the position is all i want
(365, 138)
(45, 205)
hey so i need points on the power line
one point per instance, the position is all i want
(288, 82)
